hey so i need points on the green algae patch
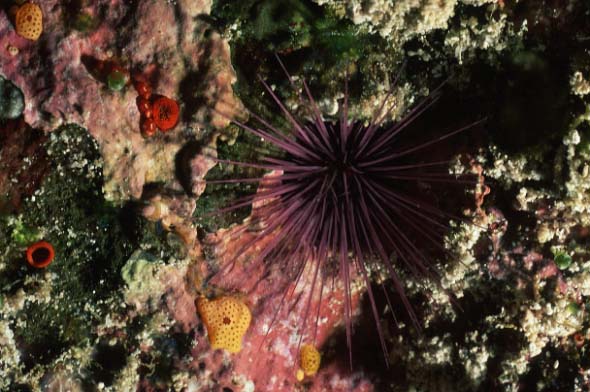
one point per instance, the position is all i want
(307, 37)
(70, 208)
(246, 148)
(117, 80)
(23, 235)
(563, 261)
(59, 305)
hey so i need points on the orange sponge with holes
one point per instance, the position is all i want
(29, 21)
(226, 319)
(310, 359)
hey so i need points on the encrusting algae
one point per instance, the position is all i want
(226, 319)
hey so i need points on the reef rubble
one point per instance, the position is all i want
(140, 235)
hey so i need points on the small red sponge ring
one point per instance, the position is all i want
(40, 254)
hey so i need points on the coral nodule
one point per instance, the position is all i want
(227, 319)
(40, 254)
(346, 197)
(157, 111)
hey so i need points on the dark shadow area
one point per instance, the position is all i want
(247, 148)
(157, 364)
(367, 353)
(22, 388)
(563, 28)
(19, 142)
(182, 163)
(107, 362)
(368, 357)
(189, 86)
(196, 81)
(530, 101)
(130, 220)
(41, 350)
(97, 68)
(543, 367)
(506, 343)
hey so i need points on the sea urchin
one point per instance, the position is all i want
(337, 196)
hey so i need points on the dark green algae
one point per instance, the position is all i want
(307, 38)
(70, 212)
(92, 239)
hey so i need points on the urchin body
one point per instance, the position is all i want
(337, 198)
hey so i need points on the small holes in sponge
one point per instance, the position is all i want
(310, 359)
(226, 319)
(29, 21)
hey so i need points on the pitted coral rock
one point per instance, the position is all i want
(226, 319)
(310, 359)
(29, 21)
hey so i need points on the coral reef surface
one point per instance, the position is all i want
(153, 286)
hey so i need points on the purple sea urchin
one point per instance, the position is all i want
(343, 195)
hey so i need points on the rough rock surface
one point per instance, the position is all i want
(116, 310)
(20, 143)
(276, 343)
(160, 41)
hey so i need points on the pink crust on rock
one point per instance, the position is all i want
(166, 58)
(274, 339)
(277, 349)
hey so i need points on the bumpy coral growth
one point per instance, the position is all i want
(310, 359)
(29, 21)
(226, 319)
(157, 111)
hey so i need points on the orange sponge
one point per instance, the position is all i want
(310, 359)
(226, 319)
(29, 21)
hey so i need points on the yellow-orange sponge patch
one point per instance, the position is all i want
(226, 319)
(310, 359)
(29, 21)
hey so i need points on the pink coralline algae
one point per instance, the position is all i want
(273, 340)
(167, 58)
